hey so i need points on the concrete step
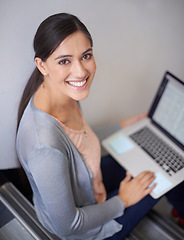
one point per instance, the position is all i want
(156, 227)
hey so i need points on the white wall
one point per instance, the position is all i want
(134, 42)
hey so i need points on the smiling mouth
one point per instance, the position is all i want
(78, 83)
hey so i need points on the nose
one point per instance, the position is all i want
(78, 70)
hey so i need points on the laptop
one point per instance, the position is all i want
(156, 142)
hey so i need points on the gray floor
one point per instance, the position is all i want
(164, 208)
(158, 224)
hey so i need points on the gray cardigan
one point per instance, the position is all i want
(62, 182)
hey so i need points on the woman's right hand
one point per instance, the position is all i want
(132, 190)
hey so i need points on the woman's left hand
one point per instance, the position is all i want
(127, 122)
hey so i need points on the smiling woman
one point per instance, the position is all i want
(76, 195)
(68, 74)
(45, 44)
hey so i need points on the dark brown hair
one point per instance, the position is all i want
(51, 32)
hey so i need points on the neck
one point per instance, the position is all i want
(59, 107)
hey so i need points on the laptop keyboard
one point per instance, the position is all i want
(163, 154)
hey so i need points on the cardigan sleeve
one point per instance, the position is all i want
(49, 169)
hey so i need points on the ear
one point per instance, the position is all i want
(41, 66)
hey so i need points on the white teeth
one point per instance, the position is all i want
(78, 84)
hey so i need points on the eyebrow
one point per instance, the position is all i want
(88, 50)
(64, 56)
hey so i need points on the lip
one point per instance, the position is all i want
(78, 84)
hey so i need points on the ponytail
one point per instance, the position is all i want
(32, 85)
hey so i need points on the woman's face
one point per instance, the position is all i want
(70, 69)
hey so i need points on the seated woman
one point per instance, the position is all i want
(74, 197)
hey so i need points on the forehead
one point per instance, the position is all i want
(75, 43)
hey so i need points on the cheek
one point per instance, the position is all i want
(59, 74)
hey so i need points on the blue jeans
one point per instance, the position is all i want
(113, 174)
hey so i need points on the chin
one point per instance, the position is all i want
(81, 98)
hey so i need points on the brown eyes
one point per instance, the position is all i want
(87, 56)
(67, 61)
(64, 62)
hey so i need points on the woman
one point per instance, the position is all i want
(59, 152)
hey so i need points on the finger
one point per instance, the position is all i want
(145, 179)
(128, 174)
(142, 115)
(150, 189)
(127, 178)
(141, 175)
(149, 178)
(145, 175)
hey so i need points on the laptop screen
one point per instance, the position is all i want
(168, 110)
